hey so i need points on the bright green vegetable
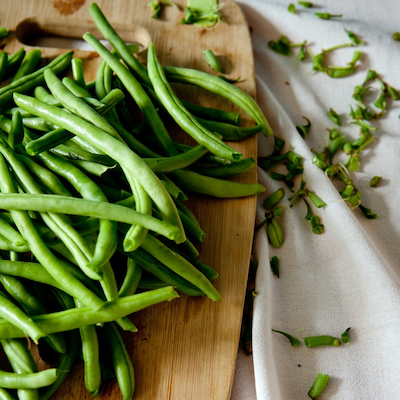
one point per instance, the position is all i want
(318, 386)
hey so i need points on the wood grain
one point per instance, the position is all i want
(187, 348)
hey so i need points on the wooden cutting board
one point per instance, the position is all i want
(185, 349)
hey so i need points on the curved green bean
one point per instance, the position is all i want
(34, 380)
(89, 208)
(74, 318)
(215, 187)
(223, 88)
(223, 171)
(90, 355)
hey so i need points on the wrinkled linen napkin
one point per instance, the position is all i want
(349, 275)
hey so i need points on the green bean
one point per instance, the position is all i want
(322, 340)
(3, 64)
(22, 362)
(82, 93)
(33, 79)
(5, 395)
(55, 221)
(215, 187)
(175, 191)
(90, 354)
(117, 150)
(76, 153)
(138, 93)
(90, 208)
(274, 233)
(14, 61)
(38, 124)
(34, 380)
(318, 386)
(213, 114)
(183, 160)
(12, 313)
(119, 45)
(158, 269)
(77, 72)
(17, 130)
(74, 318)
(213, 61)
(223, 171)
(179, 265)
(40, 250)
(48, 179)
(76, 104)
(229, 131)
(12, 110)
(107, 237)
(11, 234)
(182, 116)
(28, 64)
(225, 89)
(121, 361)
(42, 94)
(31, 306)
(132, 278)
(64, 365)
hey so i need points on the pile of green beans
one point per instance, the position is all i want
(87, 184)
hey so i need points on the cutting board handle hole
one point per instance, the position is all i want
(67, 34)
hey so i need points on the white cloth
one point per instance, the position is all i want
(349, 276)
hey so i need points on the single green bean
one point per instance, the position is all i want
(215, 187)
(13, 314)
(74, 318)
(42, 94)
(77, 72)
(64, 365)
(122, 363)
(17, 130)
(90, 355)
(229, 131)
(212, 114)
(238, 167)
(5, 395)
(131, 279)
(90, 208)
(34, 380)
(3, 64)
(183, 160)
